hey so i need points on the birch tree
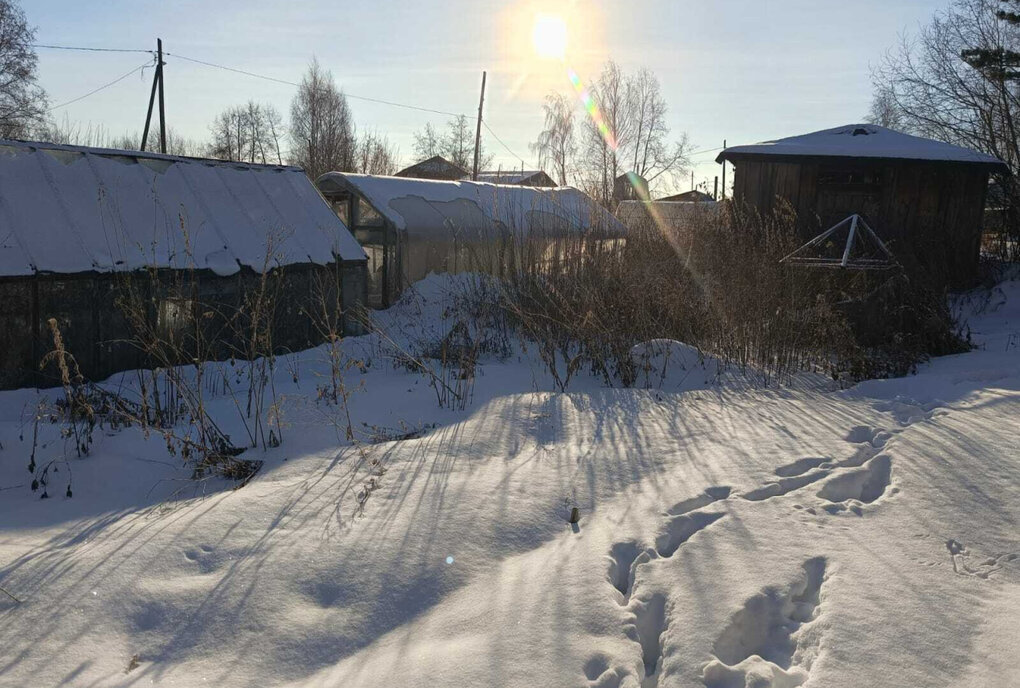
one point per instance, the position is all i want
(23, 103)
(556, 146)
(322, 130)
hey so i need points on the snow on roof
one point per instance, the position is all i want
(508, 176)
(436, 167)
(862, 141)
(69, 209)
(435, 208)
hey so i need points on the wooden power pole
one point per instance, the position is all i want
(157, 85)
(478, 131)
(724, 172)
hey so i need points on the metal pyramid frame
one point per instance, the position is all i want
(859, 232)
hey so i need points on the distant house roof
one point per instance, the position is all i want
(693, 196)
(436, 167)
(70, 209)
(432, 208)
(517, 177)
(861, 141)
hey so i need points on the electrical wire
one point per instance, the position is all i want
(255, 75)
(101, 88)
(291, 83)
(706, 150)
(508, 150)
(91, 50)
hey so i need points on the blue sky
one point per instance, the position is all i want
(741, 70)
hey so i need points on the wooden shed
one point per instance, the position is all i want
(924, 198)
(79, 227)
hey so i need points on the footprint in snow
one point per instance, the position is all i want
(849, 490)
(769, 643)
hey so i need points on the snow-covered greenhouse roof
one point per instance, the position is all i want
(432, 208)
(70, 209)
(861, 141)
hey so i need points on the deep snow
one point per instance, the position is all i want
(728, 536)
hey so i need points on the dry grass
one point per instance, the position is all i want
(717, 283)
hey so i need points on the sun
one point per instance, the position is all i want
(549, 36)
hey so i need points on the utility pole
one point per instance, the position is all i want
(157, 83)
(724, 172)
(478, 131)
(692, 180)
(162, 110)
(715, 191)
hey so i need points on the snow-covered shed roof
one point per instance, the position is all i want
(862, 141)
(436, 167)
(71, 209)
(432, 208)
(525, 177)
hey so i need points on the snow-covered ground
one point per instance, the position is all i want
(728, 536)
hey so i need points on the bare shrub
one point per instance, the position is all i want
(716, 282)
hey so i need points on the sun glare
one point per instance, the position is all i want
(549, 36)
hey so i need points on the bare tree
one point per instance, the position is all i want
(629, 134)
(79, 134)
(884, 111)
(375, 155)
(23, 102)
(604, 140)
(322, 128)
(427, 142)
(947, 84)
(457, 144)
(556, 145)
(247, 133)
(653, 155)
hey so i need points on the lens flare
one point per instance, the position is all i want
(591, 107)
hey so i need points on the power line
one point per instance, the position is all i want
(291, 83)
(232, 69)
(508, 150)
(91, 50)
(255, 75)
(706, 150)
(97, 90)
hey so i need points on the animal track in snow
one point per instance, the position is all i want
(624, 558)
(650, 621)
(600, 674)
(909, 412)
(963, 566)
(784, 486)
(864, 484)
(681, 529)
(765, 644)
(205, 557)
(800, 466)
(711, 494)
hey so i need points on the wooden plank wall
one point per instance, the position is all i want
(933, 211)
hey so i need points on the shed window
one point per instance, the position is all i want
(838, 175)
(367, 216)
